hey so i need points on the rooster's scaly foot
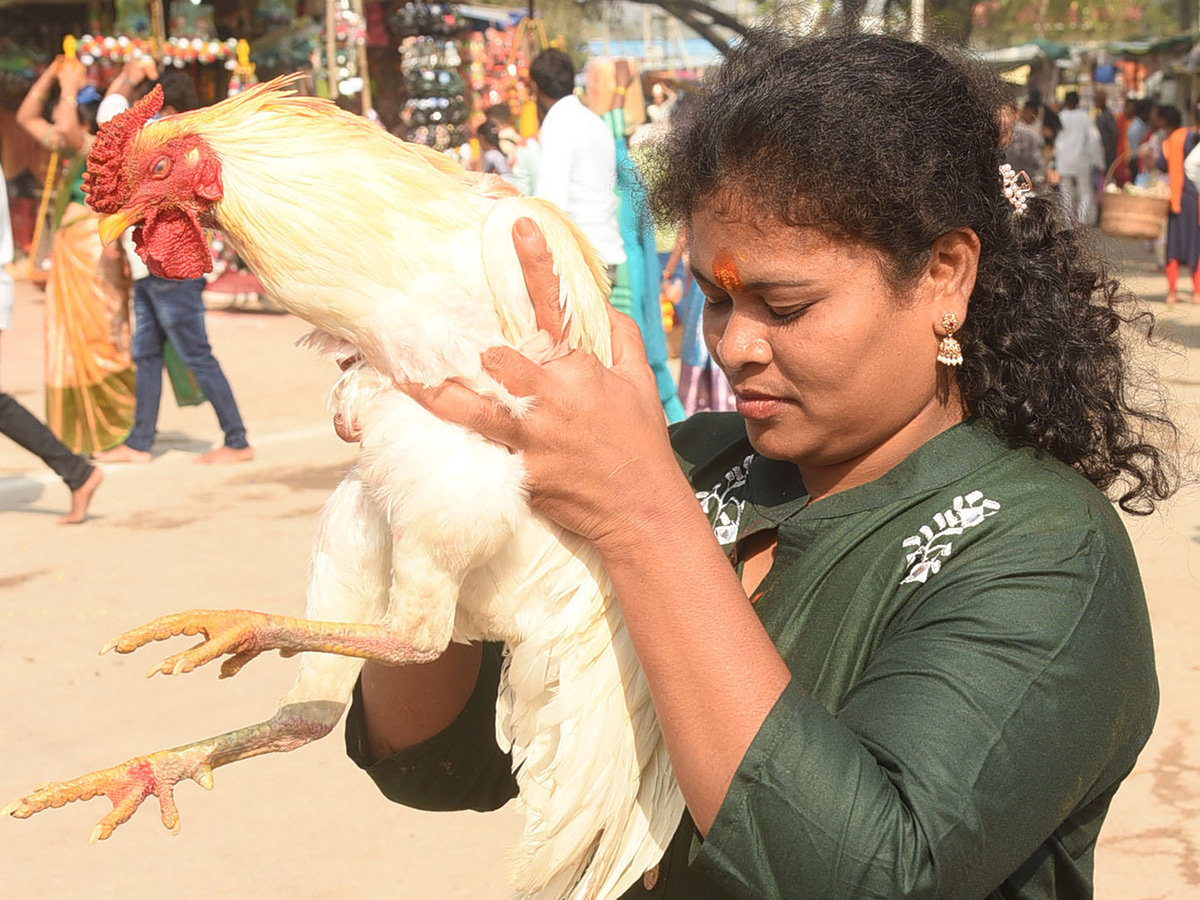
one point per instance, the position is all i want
(239, 632)
(244, 634)
(126, 785)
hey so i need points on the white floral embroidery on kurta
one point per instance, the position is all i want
(724, 509)
(932, 546)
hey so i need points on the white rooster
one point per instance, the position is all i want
(430, 538)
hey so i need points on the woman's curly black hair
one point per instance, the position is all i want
(892, 144)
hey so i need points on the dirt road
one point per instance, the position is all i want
(308, 826)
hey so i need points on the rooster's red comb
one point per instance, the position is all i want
(105, 191)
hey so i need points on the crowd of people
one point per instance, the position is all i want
(102, 385)
(1081, 153)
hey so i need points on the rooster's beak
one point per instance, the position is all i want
(114, 225)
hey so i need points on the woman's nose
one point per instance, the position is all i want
(742, 343)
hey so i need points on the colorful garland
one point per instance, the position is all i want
(178, 51)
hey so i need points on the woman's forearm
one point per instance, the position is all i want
(405, 705)
(713, 670)
(30, 110)
(66, 123)
(122, 85)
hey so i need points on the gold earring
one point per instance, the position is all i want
(949, 350)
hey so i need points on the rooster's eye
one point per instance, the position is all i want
(161, 168)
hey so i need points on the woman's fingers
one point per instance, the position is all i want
(519, 375)
(628, 349)
(458, 404)
(537, 265)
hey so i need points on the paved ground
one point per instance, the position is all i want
(174, 535)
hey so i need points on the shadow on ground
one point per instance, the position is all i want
(18, 491)
(1185, 333)
(323, 478)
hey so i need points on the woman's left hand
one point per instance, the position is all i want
(72, 76)
(595, 442)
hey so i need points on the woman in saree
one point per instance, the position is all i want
(89, 371)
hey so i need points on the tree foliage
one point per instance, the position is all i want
(1005, 22)
(992, 23)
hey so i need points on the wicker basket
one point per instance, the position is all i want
(1131, 215)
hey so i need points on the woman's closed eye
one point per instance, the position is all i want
(780, 313)
(786, 314)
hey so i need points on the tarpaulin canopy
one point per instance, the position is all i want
(1177, 43)
(1025, 54)
(494, 15)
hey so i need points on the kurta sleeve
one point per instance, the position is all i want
(1012, 693)
(461, 767)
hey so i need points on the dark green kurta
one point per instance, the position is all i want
(972, 678)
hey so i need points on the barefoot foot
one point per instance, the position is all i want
(226, 455)
(81, 497)
(121, 454)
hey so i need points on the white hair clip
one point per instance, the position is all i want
(1017, 187)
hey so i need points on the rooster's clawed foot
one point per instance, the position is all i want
(126, 785)
(239, 632)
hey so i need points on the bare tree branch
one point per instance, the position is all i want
(704, 29)
(701, 18)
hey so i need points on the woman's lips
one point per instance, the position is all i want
(758, 406)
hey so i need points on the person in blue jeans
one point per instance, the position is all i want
(174, 310)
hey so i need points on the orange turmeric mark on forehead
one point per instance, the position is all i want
(725, 271)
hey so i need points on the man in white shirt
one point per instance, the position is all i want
(578, 167)
(1077, 153)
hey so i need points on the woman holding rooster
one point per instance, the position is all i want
(900, 648)
(89, 371)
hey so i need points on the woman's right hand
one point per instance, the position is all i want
(50, 73)
(606, 422)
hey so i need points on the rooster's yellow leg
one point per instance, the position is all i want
(245, 634)
(131, 782)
